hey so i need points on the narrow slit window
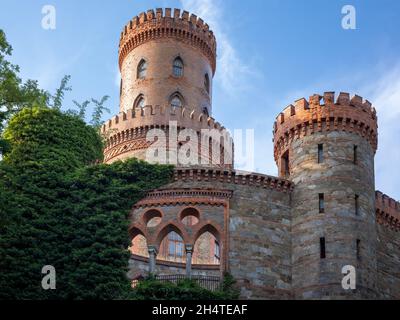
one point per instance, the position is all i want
(357, 204)
(320, 153)
(322, 248)
(355, 154)
(321, 203)
(285, 169)
(358, 247)
(207, 83)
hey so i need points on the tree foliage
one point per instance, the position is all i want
(60, 92)
(14, 94)
(98, 111)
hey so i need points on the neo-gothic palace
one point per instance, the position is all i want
(285, 237)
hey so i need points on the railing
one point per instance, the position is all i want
(212, 283)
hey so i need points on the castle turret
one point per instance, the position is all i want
(167, 62)
(327, 150)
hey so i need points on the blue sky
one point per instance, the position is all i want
(270, 53)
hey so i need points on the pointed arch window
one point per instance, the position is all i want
(175, 246)
(176, 100)
(139, 102)
(142, 69)
(207, 83)
(177, 68)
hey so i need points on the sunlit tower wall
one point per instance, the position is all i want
(327, 149)
(167, 61)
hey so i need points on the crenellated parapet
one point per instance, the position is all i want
(166, 23)
(159, 116)
(126, 125)
(127, 131)
(387, 211)
(324, 114)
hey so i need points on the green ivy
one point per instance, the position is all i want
(58, 208)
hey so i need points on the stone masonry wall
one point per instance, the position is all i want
(259, 238)
(388, 256)
(339, 179)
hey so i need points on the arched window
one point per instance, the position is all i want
(172, 248)
(176, 100)
(139, 102)
(139, 246)
(175, 246)
(142, 69)
(177, 67)
(207, 83)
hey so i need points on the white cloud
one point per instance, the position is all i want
(232, 72)
(385, 96)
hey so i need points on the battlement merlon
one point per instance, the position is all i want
(159, 24)
(158, 117)
(320, 113)
(387, 208)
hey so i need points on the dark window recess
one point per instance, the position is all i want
(355, 155)
(356, 204)
(285, 169)
(358, 246)
(207, 83)
(320, 153)
(321, 203)
(322, 248)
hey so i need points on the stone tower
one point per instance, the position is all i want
(327, 149)
(167, 62)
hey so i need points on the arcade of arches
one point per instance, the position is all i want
(183, 234)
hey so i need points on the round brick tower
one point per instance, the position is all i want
(167, 64)
(327, 150)
(160, 56)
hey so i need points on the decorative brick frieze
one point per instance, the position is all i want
(233, 177)
(185, 197)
